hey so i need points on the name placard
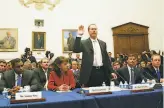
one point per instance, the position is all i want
(98, 89)
(28, 95)
(140, 86)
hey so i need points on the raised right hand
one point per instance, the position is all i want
(81, 30)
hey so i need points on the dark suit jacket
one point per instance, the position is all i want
(41, 77)
(28, 78)
(162, 60)
(150, 73)
(86, 48)
(111, 59)
(39, 43)
(124, 73)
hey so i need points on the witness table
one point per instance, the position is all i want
(121, 99)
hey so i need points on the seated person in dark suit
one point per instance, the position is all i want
(131, 74)
(18, 77)
(61, 78)
(76, 73)
(116, 65)
(155, 70)
(8, 66)
(2, 67)
(42, 73)
(110, 57)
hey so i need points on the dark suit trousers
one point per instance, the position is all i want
(97, 77)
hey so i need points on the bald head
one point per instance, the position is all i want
(8, 34)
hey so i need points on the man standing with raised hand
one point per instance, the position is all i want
(95, 68)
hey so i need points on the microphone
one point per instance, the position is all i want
(81, 90)
(157, 85)
(120, 76)
(150, 75)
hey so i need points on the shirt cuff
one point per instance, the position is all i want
(79, 35)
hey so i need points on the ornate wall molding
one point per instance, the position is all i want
(39, 4)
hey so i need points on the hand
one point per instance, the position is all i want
(64, 87)
(162, 80)
(81, 30)
(114, 75)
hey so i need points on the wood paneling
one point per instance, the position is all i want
(130, 38)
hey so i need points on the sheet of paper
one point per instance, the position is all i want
(63, 91)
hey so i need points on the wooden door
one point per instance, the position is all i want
(130, 38)
(137, 44)
(123, 44)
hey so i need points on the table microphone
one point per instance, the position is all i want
(81, 90)
(157, 85)
(120, 76)
(150, 75)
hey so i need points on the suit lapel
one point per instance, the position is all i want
(101, 47)
(89, 45)
(153, 71)
(42, 75)
(135, 74)
(24, 79)
(13, 80)
(127, 76)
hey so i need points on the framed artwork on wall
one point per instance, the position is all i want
(39, 22)
(8, 39)
(68, 39)
(38, 41)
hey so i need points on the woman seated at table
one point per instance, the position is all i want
(61, 78)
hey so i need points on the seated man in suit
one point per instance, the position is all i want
(8, 66)
(42, 73)
(76, 73)
(116, 65)
(2, 67)
(131, 74)
(110, 57)
(155, 70)
(18, 77)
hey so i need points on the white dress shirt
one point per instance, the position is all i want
(97, 53)
(16, 78)
(0, 75)
(45, 72)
